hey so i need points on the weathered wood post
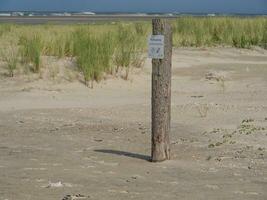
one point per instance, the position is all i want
(161, 94)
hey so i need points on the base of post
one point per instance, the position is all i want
(158, 161)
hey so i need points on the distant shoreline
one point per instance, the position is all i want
(90, 17)
(75, 19)
(85, 13)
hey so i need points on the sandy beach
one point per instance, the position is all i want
(60, 138)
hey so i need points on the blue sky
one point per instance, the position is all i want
(210, 6)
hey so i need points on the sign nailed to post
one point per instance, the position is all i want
(156, 46)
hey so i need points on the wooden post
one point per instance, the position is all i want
(161, 94)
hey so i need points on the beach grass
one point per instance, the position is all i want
(10, 56)
(110, 48)
(31, 49)
(93, 53)
(220, 31)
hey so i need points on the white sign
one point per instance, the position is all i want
(156, 46)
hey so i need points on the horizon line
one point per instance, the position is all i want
(132, 12)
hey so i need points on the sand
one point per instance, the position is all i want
(60, 138)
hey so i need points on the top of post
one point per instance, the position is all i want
(158, 26)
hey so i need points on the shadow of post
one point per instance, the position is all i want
(124, 153)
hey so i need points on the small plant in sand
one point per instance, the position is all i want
(202, 109)
(221, 82)
(247, 127)
(218, 77)
(31, 48)
(11, 57)
(53, 72)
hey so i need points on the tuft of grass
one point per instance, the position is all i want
(59, 44)
(85, 53)
(202, 110)
(221, 82)
(128, 50)
(11, 57)
(93, 53)
(124, 47)
(31, 48)
(106, 50)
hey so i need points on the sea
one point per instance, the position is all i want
(89, 13)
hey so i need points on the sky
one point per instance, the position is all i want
(196, 6)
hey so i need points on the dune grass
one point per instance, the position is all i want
(31, 48)
(11, 56)
(220, 31)
(5, 28)
(128, 47)
(93, 53)
(264, 38)
(110, 48)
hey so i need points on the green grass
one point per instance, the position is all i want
(264, 38)
(31, 48)
(124, 48)
(93, 53)
(110, 48)
(129, 47)
(220, 31)
(5, 28)
(11, 57)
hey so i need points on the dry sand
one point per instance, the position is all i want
(59, 139)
